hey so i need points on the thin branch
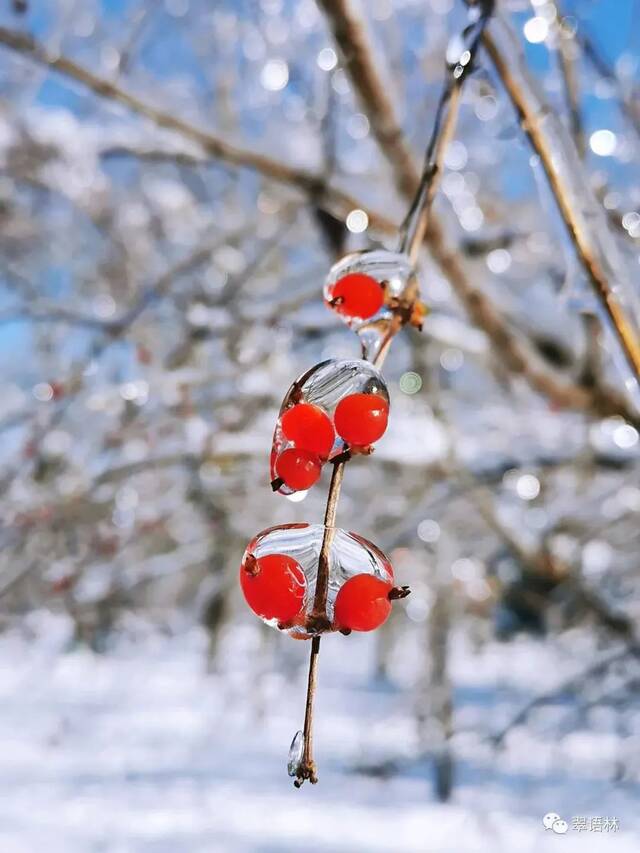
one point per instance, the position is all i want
(318, 614)
(593, 243)
(570, 684)
(52, 314)
(138, 23)
(114, 332)
(348, 28)
(517, 355)
(512, 350)
(317, 618)
(307, 767)
(7, 584)
(356, 51)
(415, 225)
(154, 155)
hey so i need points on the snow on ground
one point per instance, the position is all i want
(140, 750)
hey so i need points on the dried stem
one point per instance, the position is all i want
(533, 113)
(317, 620)
(415, 225)
(307, 766)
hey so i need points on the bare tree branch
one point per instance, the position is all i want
(513, 351)
(594, 245)
(307, 182)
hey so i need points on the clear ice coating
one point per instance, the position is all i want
(349, 555)
(325, 385)
(462, 46)
(393, 270)
(621, 297)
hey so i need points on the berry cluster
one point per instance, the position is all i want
(278, 577)
(337, 405)
(310, 579)
(275, 588)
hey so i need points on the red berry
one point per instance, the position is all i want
(362, 604)
(274, 586)
(299, 469)
(357, 295)
(309, 428)
(361, 419)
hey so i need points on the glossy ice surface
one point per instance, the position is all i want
(393, 270)
(325, 385)
(349, 555)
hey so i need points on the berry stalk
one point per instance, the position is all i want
(307, 766)
(317, 620)
(406, 310)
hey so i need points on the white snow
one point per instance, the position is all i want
(140, 749)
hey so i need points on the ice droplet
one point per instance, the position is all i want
(295, 754)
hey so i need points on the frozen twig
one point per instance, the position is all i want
(461, 57)
(534, 560)
(137, 25)
(308, 182)
(117, 329)
(362, 68)
(567, 46)
(350, 36)
(512, 350)
(306, 768)
(570, 684)
(579, 208)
